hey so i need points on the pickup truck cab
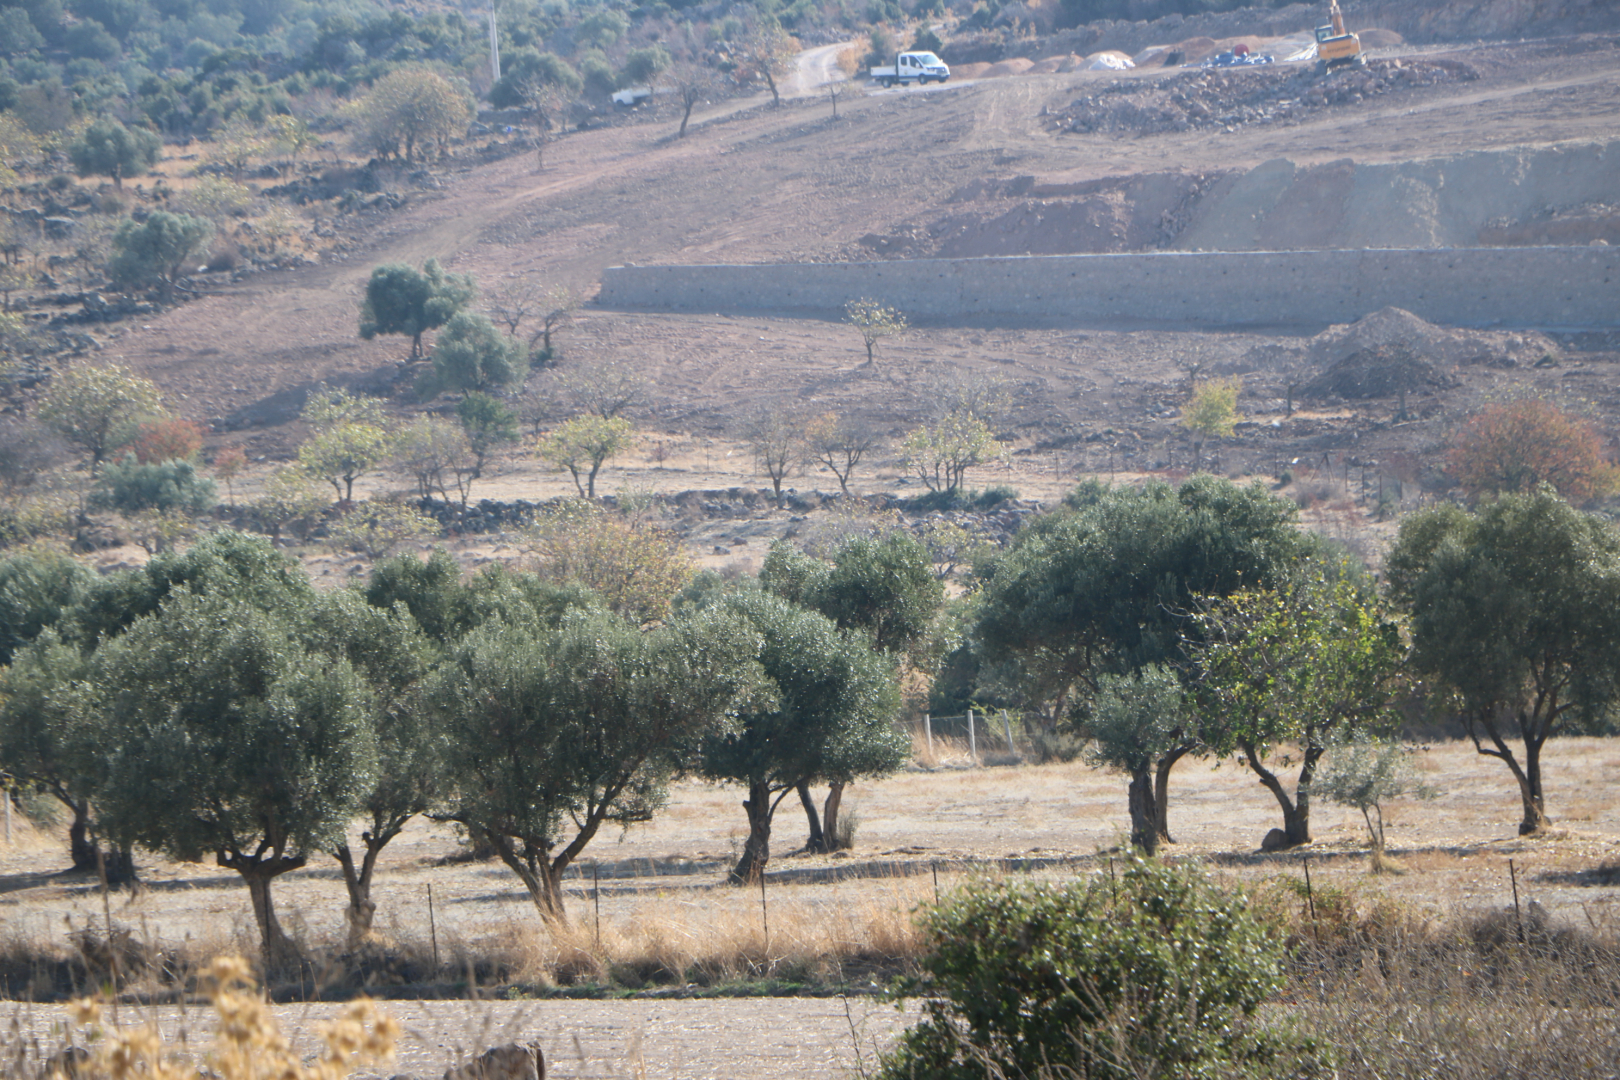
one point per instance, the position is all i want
(631, 96)
(912, 67)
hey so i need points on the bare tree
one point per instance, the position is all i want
(839, 442)
(606, 389)
(778, 446)
(693, 82)
(548, 308)
(770, 52)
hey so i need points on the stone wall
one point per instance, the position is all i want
(1548, 287)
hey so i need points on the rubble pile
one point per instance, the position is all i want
(1230, 98)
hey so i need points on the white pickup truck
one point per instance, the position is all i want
(918, 67)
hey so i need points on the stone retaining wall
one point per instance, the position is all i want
(1548, 287)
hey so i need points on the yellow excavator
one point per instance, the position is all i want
(1335, 46)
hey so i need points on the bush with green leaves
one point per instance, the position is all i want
(1157, 974)
(156, 252)
(473, 355)
(129, 487)
(108, 148)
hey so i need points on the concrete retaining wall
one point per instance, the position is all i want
(1549, 287)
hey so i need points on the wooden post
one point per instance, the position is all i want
(433, 931)
(596, 899)
(1518, 916)
(1006, 725)
(928, 730)
(973, 740)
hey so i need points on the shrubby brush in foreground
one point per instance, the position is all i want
(1156, 973)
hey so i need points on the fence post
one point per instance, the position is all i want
(928, 730)
(1006, 725)
(973, 740)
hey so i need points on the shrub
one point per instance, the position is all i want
(1518, 445)
(157, 251)
(166, 440)
(130, 487)
(1158, 975)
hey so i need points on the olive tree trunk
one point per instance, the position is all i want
(1144, 811)
(757, 848)
(1296, 810)
(279, 950)
(818, 841)
(829, 814)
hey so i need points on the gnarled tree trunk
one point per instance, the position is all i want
(829, 814)
(1296, 810)
(279, 950)
(757, 848)
(818, 841)
(1161, 791)
(1144, 813)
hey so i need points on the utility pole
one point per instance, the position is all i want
(494, 46)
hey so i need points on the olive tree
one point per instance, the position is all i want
(108, 148)
(832, 717)
(1104, 587)
(554, 732)
(1516, 613)
(883, 587)
(488, 424)
(1365, 776)
(389, 651)
(1139, 722)
(230, 736)
(1312, 662)
(471, 354)
(158, 251)
(52, 745)
(403, 300)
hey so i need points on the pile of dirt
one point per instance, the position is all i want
(1380, 340)
(1233, 98)
(1380, 371)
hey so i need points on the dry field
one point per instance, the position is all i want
(840, 921)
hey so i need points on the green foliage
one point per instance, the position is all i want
(1515, 612)
(1102, 588)
(885, 587)
(584, 444)
(1368, 775)
(832, 717)
(1136, 718)
(472, 355)
(108, 148)
(1311, 662)
(1212, 409)
(1161, 975)
(97, 408)
(130, 486)
(36, 588)
(642, 66)
(157, 252)
(46, 738)
(488, 423)
(942, 453)
(411, 106)
(223, 563)
(875, 322)
(553, 734)
(231, 738)
(402, 300)
(526, 72)
(793, 575)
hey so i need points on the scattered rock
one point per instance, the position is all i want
(1275, 840)
(513, 1061)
